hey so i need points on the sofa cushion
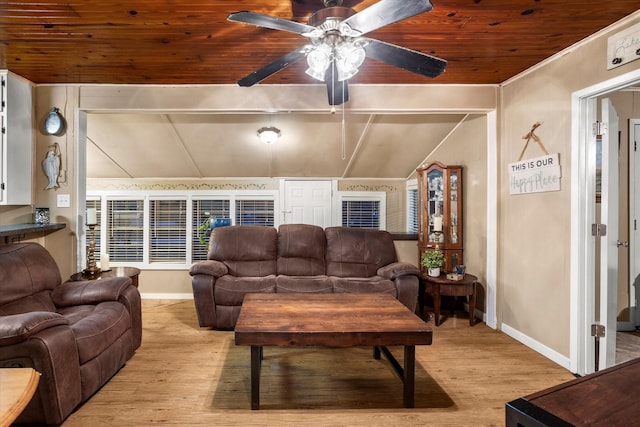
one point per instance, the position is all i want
(309, 284)
(96, 327)
(361, 285)
(357, 252)
(230, 290)
(301, 249)
(247, 250)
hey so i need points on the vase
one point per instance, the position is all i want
(434, 272)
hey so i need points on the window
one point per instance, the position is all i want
(203, 209)
(125, 230)
(160, 229)
(362, 209)
(361, 213)
(167, 231)
(258, 212)
(412, 210)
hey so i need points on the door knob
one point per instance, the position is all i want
(619, 243)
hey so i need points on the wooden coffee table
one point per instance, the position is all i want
(331, 320)
(18, 386)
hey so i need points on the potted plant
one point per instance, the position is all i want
(433, 260)
(204, 229)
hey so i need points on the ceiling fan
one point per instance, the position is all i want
(337, 46)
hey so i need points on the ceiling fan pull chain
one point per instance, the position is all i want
(344, 131)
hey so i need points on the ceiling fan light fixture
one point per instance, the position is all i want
(269, 135)
(318, 59)
(349, 58)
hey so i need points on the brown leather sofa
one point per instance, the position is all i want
(76, 334)
(296, 258)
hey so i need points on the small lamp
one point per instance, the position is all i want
(269, 135)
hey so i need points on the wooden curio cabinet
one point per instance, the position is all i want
(440, 195)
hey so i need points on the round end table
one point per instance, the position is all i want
(441, 286)
(131, 272)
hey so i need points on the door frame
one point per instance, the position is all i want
(582, 276)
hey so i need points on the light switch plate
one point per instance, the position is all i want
(64, 201)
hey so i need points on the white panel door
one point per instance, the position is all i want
(608, 243)
(307, 202)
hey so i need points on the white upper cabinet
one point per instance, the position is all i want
(16, 122)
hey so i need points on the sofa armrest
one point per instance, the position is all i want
(89, 291)
(16, 328)
(398, 269)
(210, 267)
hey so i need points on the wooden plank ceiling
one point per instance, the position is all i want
(191, 42)
(181, 42)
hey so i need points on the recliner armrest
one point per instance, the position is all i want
(16, 328)
(398, 269)
(210, 267)
(89, 291)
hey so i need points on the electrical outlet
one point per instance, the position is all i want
(64, 201)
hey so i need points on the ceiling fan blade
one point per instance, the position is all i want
(338, 91)
(407, 59)
(271, 22)
(272, 68)
(386, 12)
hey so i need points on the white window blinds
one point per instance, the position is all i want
(361, 213)
(258, 212)
(412, 210)
(125, 230)
(167, 230)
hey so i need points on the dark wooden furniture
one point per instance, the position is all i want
(440, 194)
(331, 320)
(131, 272)
(606, 398)
(441, 286)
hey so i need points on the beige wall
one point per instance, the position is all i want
(533, 277)
(467, 146)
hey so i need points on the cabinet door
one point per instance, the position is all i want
(17, 141)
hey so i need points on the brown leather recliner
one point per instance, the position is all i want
(76, 334)
(296, 258)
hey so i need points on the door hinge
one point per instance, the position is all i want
(598, 230)
(599, 128)
(597, 330)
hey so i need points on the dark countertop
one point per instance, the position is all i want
(404, 236)
(21, 230)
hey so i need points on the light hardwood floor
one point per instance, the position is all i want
(183, 375)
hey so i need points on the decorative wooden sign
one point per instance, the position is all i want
(536, 175)
(623, 47)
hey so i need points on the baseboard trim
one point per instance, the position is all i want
(165, 296)
(537, 346)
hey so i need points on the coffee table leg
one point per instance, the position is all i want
(409, 375)
(256, 359)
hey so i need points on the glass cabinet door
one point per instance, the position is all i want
(440, 211)
(435, 200)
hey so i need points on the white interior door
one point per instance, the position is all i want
(307, 202)
(634, 210)
(608, 243)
